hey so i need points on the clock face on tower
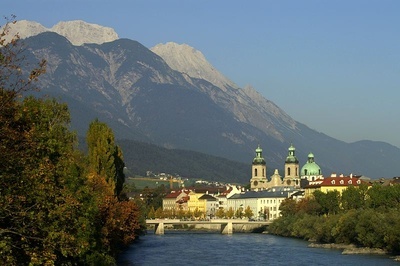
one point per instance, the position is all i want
(255, 183)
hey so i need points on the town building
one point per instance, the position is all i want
(264, 203)
(176, 200)
(259, 180)
(332, 183)
(292, 176)
(211, 204)
(264, 196)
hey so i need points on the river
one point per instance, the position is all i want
(205, 248)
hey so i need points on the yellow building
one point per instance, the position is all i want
(194, 202)
(176, 200)
(332, 183)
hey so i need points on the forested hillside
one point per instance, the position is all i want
(140, 157)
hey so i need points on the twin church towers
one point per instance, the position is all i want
(293, 176)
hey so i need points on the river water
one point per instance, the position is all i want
(205, 248)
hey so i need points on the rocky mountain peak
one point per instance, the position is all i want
(25, 29)
(77, 32)
(188, 60)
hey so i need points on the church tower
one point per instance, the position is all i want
(292, 176)
(258, 179)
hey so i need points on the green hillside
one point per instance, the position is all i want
(141, 157)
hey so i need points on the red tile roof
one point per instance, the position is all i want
(175, 194)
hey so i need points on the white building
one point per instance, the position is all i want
(264, 204)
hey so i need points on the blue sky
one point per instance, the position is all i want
(332, 65)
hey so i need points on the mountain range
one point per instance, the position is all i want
(172, 97)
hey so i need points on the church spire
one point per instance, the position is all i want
(259, 158)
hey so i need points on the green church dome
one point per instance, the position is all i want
(291, 158)
(310, 168)
(258, 159)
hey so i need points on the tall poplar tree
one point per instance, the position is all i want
(105, 158)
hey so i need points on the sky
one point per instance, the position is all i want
(333, 65)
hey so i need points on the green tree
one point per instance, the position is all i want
(105, 158)
(248, 213)
(308, 206)
(220, 213)
(48, 211)
(383, 196)
(371, 229)
(152, 213)
(344, 229)
(392, 234)
(353, 197)
(181, 213)
(329, 201)
(197, 213)
(239, 213)
(230, 213)
(159, 213)
(288, 207)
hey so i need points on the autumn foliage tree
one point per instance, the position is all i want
(119, 218)
(54, 210)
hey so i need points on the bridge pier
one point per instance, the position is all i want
(159, 229)
(227, 229)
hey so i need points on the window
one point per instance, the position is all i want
(358, 182)
(255, 172)
(333, 182)
(341, 182)
(288, 170)
(350, 182)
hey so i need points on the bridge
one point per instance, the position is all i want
(226, 224)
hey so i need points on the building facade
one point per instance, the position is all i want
(292, 172)
(264, 203)
(258, 179)
(333, 183)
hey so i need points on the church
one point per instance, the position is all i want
(293, 176)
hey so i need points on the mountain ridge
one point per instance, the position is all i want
(77, 32)
(134, 89)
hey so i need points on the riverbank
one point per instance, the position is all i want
(351, 249)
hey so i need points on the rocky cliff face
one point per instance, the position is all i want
(77, 32)
(188, 60)
(247, 105)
